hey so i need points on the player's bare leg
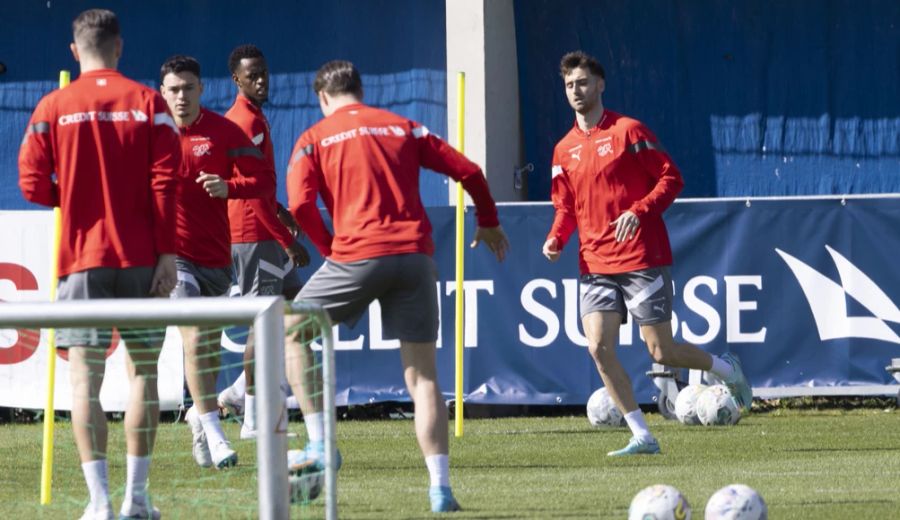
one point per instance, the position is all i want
(727, 368)
(86, 369)
(201, 367)
(420, 375)
(141, 421)
(602, 332)
(665, 351)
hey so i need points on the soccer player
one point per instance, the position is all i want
(263, 249)
(114, 149)
(612, 180)
(364, 162)
(219, 163)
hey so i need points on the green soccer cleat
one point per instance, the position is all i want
(737, 384)
(637, 447)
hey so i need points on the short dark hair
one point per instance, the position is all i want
(338, 77)
(580, 60)
(95, 30)
(177, 64)
(241, 52)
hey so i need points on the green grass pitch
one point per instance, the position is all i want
(806, 464)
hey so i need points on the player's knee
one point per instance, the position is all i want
(661, 352)
(601, 351)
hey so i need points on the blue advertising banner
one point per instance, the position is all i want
(803, 291)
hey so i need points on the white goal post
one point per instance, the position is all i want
(266, 315)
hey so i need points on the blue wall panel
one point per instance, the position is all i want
(750, 97)
(398, 45)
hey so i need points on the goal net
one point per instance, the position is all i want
(258, 486)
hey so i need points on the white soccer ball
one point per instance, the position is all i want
(602, 410)
(717, 407)
(736, 502)
(686, 404)
(306, 486)
(659, 502)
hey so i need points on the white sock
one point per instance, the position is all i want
(720, 368)
(292, 403)
(438, 469)
(96, 477)
(250, 411)
(135, 483)
(638, 425)
(315, 427)
(239, 387)
(212, 427)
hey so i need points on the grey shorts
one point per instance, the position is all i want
(106, 282)
(404, 285)
(264, 269)
(646, 294)
(195, 280)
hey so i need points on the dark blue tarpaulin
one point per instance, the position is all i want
(750, 97)
(398, 45)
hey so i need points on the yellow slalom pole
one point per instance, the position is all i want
(460, 249)
(49, 409)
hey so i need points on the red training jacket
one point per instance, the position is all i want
(617, 166)
(213, 144)
(114, 149)
(365, 164)
(255, 220)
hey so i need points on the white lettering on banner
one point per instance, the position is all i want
(539, 311)
(703, 309)
(376, 340)
(734, 305)
(470, 306)
(571, 317)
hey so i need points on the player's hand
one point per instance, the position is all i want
(494, 238)
(285, 217)
(214, 185)
(626, 226)
(298, 254)
(164, 276)
(551, 249)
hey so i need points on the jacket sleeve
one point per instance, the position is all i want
(435, 154)
(655, 161)
(255, 177)
(165, 167)
(36, 161)
(303, 181)
(563, 197)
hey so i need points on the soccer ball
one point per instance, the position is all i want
(602, 410)
(306, 485)
(686, 404)
(736, 502)
(717, 407)
(659, 502)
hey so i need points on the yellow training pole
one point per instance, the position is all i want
(460, 249)
(49, 410)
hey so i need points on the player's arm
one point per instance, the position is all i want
(303, 179)
(564, 220)
(165, 166)
(255, 177)
(654, 160)
(36, 164)
(435, 154)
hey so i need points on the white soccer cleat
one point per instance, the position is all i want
(223, 456)
(230, 402)
(98, 514)
(200, 447)
(247, 433)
